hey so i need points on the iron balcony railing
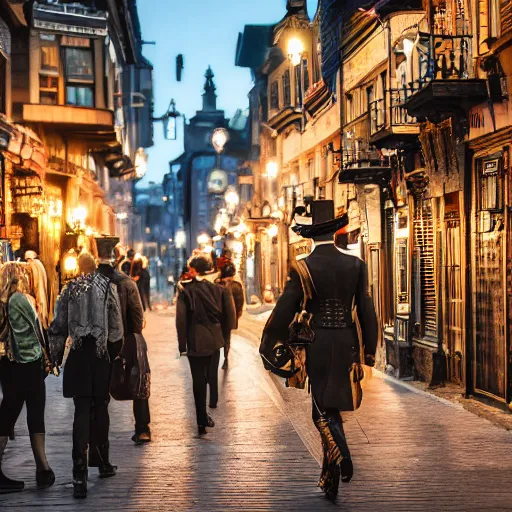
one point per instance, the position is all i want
(395, 115)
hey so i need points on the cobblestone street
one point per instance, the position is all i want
(411, 451)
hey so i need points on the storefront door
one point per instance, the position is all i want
(490, 335)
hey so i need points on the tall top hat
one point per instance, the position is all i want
(317, 219)
(105, 246)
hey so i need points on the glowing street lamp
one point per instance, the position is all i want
(272, 169)
(203, 239)
(272, 231)
(220, 137)
(78, 216)
(295, 50)
(181, 238)
(232, 198)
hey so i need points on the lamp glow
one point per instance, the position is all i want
(272, 231)
(232, 198)
(78, 216)
(71, 263)
(220, 137)
(295, 50)
(180, 239)
(203, 239)
(272, 169)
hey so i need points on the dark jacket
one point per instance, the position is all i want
(237, 293)
(144, 286)
(340, 282)
(205, 315)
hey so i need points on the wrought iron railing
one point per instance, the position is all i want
(394, 115)
(445, 57)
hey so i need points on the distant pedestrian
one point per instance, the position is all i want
(327, 285)
(126, 265)
(144, 284)
(227, 280)
(205, 315)
(88, 311)
(23, 369)
(134, 346)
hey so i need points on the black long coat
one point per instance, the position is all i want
(341, 279)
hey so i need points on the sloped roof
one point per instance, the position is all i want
(252, 46)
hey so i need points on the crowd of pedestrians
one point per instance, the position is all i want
(101, 313)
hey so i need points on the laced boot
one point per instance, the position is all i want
(6, 484)
(80, 478)
(45, 477)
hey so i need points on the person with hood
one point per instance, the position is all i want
(205, 314)
(334, 355)
(88, 311)
(227, 280)
(133, 322)
(23, 369)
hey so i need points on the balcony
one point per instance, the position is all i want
(446, 84)
(89, 122)
(391, 126)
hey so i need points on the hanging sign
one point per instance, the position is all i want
(217, 182)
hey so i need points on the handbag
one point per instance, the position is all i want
(301, 333)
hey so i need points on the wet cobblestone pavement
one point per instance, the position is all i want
(411, 451)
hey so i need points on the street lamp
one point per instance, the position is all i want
(220, 137)
(272, 169)
(232, 199)
(203, 239)
(272, 231)
(295, 50)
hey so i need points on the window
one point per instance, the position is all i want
(274, 95)
(3, 77)
(287, 95)
(402, 284)
(79, 70)
(349, 108)
(491, 190)
(305, 70)
(298, 88)
(49, 70)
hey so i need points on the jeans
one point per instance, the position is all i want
(205, 370)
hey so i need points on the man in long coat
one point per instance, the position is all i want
(339, 283)
(133, 322)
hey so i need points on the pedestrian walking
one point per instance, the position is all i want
(205, 314)
(134, 346)
(227, 280)
(88, 311)
(333, 354)
(23, 369)
(144, 284)
(126, 265)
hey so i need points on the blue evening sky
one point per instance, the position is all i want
(205, 32)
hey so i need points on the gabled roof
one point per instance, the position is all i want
(252, 46)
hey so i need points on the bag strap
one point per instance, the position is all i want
(308, 286)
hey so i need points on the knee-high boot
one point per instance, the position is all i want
(6, 484)
(45, 477)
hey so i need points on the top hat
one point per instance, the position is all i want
(105, 246)
(317, 219)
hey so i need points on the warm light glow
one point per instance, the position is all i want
(242, 227)
(203, 239)
(180, 239)
(237, 247)
(217, 238)
(138, 256)
(295, 50)
(165, 199)
(89, 231)
(272, 231)
(272, 169)
(220, 137)
(141, 163)
(70, 263)
(408, 47)
(208, 249)
(231, 197)
(122, 216)
(78, 216)
(237, 234)
(55, 208)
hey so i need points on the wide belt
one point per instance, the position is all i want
(333, 314)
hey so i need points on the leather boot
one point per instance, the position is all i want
(80, 478)
(45, 477)
(6, 484)
(106, 469)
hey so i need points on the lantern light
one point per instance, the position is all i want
(203, 239)
(272, 231)
(295, 50)
(272, 169)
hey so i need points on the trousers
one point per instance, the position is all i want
(205, 371)
(22, 383)
(142, 416)
(91, 424)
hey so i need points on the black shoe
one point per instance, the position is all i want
(143, 438)
(213, 406)
(45, 478)
(202, 430)
(347, 470)
(7, 485)
(106, 469)
(211, 423)
(79, 479)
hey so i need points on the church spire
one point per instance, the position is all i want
(209, 96)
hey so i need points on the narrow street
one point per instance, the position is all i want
(411, 451)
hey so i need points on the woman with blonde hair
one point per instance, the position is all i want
(22, 370)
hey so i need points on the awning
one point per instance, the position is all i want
(118, 164)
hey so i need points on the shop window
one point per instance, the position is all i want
(287, 95)
(274, 95)
(402, 265)
(491, 189)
